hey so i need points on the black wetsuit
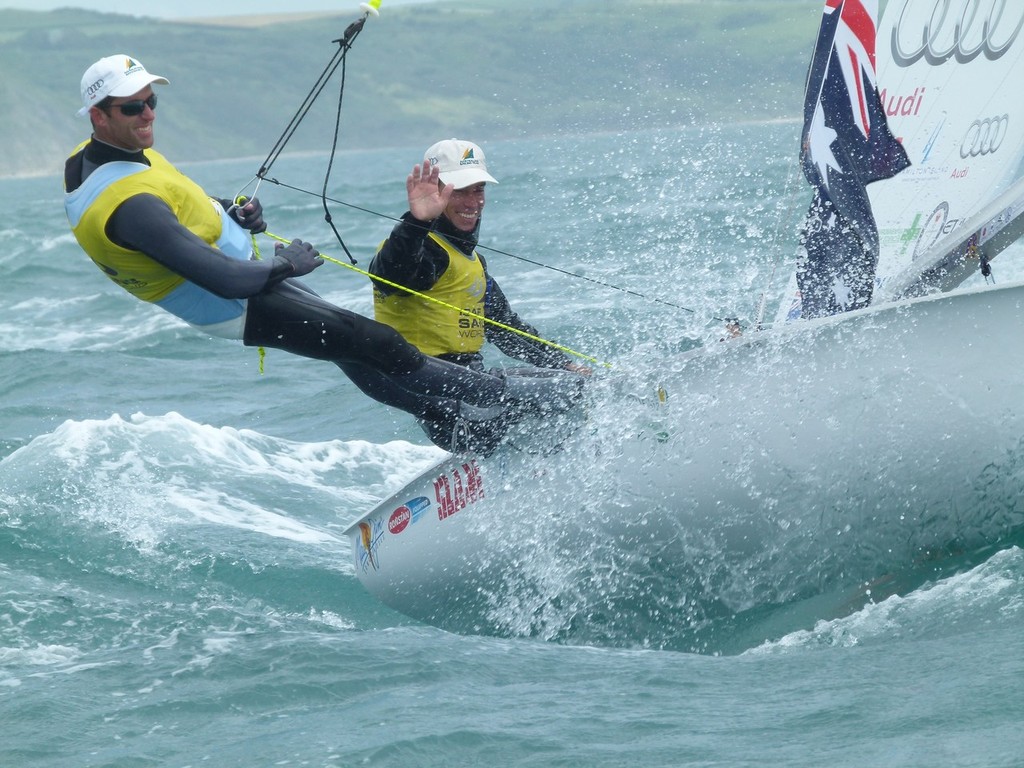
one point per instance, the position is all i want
(284, 314)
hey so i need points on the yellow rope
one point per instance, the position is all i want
(423, 296)
(256, 253)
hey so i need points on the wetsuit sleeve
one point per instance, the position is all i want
(408, 257)
(146, 223)
(496, 307)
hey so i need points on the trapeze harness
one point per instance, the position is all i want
(92, 204)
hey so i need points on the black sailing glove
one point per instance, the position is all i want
(292, 260)
(250, 216)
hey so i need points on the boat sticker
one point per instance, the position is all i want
(370, 533)
(457, 489)
(407, 514)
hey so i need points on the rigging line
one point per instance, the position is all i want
(301, 112)
(452, 307)
(330, 162)
(567, 273)
(338, 59)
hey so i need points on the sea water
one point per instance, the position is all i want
(176, 590)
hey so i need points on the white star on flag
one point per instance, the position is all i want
(820, 138)
(842, 293)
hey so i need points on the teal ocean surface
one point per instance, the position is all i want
(176, 590)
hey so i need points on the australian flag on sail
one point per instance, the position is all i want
(846, 146)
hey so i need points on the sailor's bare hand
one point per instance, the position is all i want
(427, 197)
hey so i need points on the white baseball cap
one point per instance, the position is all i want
(461, 163)
(117, 75)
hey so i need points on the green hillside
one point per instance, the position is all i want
(482, 68)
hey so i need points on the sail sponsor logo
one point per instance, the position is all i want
(910, 234)
(938, 225)
(985, 136)
(907, 104)
(930, 144)
(962, 29)
(457, 489)
(407, 514)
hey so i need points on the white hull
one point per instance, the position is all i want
(827, 459)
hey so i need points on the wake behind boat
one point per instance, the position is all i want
(820, 463)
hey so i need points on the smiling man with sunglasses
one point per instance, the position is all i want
(158, 235)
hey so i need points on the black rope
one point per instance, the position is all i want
(986, 268)
(301, 113)
(334, 150)
(337, 60)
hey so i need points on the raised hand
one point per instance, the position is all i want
(427, 196)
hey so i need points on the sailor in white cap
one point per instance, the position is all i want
(155, 233)
(432, 250)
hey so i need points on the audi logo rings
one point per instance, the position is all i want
(955, 28)
(984, 137)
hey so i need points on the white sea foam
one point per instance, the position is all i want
(991, 591)
(145, 475)
(38, 656)
(42, 323)
(219, 508)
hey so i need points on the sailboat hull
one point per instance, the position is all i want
(834, 458)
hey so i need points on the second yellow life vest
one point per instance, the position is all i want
(430, 327)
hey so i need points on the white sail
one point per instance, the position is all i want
(948, 72)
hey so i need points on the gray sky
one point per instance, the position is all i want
(183, 9)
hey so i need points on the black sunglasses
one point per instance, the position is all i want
(137, 107)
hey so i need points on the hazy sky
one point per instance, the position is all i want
(183, 9)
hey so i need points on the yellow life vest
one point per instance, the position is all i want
(432, 328)
(90, 207)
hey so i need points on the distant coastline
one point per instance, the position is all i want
(264, 20)
(493, 72)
